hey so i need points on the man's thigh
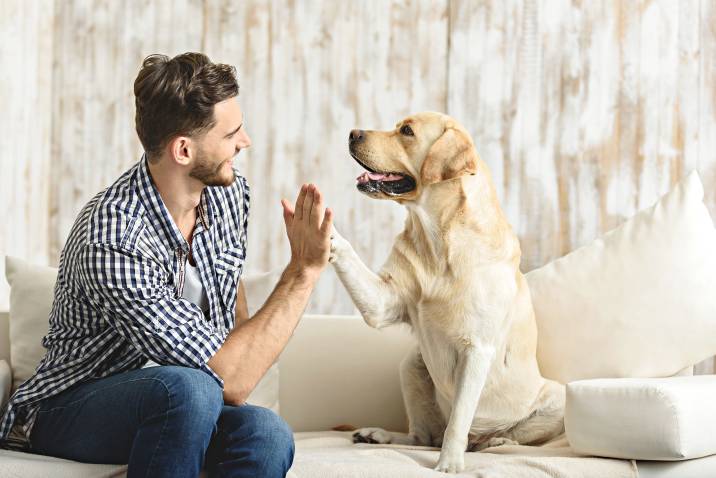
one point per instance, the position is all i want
(97, 421)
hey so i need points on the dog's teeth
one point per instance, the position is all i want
(363, 178)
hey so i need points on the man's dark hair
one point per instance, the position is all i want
(177, 96)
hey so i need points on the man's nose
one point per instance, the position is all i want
(243, 142)
(356, 135)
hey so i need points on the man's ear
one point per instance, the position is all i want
(181, 150)
(450, 156)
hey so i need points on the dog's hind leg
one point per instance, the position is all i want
(426, 424)
(547, 419)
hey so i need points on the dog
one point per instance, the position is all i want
(453, 275)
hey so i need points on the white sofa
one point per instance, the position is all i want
(638, 302)
(335, 371)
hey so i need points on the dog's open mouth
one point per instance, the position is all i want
(390, 183)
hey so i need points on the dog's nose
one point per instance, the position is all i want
(356, 135)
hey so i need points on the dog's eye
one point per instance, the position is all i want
(406, 130)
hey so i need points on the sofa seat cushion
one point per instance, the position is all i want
(645, 419)
(321, 454)
(331, 454)
(30, 465)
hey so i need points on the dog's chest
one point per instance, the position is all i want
(452, 310)
(439, 327)
(440, 357)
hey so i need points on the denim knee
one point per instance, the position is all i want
(268, 437)
(192, 394)
(271, 427)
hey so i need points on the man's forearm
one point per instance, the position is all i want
(251, 347)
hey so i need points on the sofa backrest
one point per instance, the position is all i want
(336, 370)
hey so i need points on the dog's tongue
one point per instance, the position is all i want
(365, 177)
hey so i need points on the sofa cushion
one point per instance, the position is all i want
(31, 295)
(258, 286)
(333, 454)
(31, 465)
(643, 418)
(637, 302)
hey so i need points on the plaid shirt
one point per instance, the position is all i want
(118, 296)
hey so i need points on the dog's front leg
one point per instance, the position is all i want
(473, 365)
(375, 298)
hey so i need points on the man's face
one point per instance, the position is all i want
(217, 148)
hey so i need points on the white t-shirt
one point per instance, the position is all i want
(193, 292)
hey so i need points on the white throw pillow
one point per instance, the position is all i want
(258, 287)
(638, 302)
(31, 295)
(642, 418)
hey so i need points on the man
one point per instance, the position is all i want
(151, 272)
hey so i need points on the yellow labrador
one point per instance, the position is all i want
(453, 275)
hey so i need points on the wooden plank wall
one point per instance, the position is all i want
(26, 41)
(585, 112)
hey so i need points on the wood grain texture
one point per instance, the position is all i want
(98, 49)
(309, 73)
(585, 112)
(25, 87)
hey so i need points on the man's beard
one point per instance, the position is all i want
(209, 173)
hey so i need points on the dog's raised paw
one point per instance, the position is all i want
(338, 246)
(371, 435)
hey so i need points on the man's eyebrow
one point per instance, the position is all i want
(237, 129)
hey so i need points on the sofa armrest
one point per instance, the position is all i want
(5, 382)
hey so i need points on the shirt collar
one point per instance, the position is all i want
(160, 217)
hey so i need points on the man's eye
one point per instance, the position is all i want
(406, 130)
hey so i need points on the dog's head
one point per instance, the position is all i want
(422, 150)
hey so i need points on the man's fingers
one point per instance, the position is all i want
(308, 203)
(317, 209)
(287, 214)
(327, 226)
(287, 206)
(287, 211)
(299, 202)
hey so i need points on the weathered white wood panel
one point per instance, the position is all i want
(309, 73)
(585, 111)
(25, 86)
(98, 49)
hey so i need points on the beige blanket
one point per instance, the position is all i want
(333, 455)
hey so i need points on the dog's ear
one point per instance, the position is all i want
(451, 155)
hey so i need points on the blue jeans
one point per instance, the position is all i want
(165, 421)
